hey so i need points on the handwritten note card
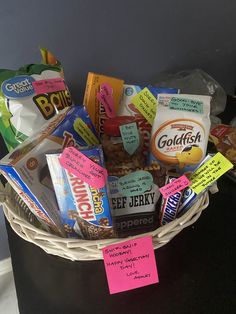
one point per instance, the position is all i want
(135, 183)
(185, 104)
(130, 264)
(175, 186)
(83, 168)
(209, 172)
(106, 98)
(146, 103)
(130, 137)
(84, 131)
(48, 85)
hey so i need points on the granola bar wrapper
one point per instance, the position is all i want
(85, 210)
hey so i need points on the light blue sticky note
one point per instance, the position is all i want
(130, 137)
(185, 104)
(135, 183)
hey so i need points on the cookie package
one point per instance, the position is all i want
(26, 169)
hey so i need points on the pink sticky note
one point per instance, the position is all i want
(82, 167)
(49, 85)
(106, 98)
(175, 186)
(130, 264)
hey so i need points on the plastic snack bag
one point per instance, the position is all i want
(180, 131)
(197, 82)
(29, 97)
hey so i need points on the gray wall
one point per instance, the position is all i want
(134, 40)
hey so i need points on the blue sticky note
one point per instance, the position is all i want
(185, 104)
(130, 137)
(135, 183)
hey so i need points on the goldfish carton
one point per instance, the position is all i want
(180, 131)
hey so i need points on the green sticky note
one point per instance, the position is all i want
(135, 183)
(146, 104)
(130, 137)
(185, 104)
(209, 172)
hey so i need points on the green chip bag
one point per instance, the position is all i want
(29, 97)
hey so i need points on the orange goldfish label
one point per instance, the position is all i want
(179, 141)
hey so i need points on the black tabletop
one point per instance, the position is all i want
(196, 271)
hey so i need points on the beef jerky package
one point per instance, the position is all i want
(135, 199)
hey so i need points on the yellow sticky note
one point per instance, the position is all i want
(209, 172)
(84, 131)
(146, 103)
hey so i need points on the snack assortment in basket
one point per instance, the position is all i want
(143, 139)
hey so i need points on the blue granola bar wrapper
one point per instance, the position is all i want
(85, 211)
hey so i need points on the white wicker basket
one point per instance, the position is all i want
(17, 213)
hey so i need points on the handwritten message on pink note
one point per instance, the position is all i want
(106, 98)
(49, 85)
(130, 264)
(82, 167)
(175, 186)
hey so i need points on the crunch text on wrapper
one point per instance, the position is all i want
(85, 210)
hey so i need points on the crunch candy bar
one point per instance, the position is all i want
(85, 210)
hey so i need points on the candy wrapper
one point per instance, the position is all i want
(26, 166)
(85, 210)
(29, 97)
(170, 205)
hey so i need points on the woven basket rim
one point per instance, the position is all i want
(74, 248)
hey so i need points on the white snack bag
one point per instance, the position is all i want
(180, 131)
